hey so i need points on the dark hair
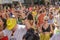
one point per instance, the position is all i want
(30, 35)
(59, 11)
(40, 11)
(51, 13)
(30, 17)
(4, 20)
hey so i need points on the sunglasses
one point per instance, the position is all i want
(45, 20)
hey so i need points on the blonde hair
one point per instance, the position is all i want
(46, 18)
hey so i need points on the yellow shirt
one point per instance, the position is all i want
(34, 13)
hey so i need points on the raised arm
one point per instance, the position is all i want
(51, 28)
(20, 4)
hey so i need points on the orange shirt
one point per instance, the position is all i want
(40, 19)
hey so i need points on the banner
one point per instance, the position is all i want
(22, 1)
(14, 0)
(10, 1)
(6, 1)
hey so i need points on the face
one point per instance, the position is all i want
(46, 21)
(50, 16)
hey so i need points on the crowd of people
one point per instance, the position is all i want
(38, 22)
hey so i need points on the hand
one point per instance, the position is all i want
(20, 4)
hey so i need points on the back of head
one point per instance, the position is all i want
(30, 35)
(30, 17)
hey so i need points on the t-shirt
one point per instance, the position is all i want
(34, 13)
(18, 34)
(51, 21)
(40, 19)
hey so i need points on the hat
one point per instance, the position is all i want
(13, 16)
(11, 22)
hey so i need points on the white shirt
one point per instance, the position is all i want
(57, 17)
(51, 21)
(18, 34)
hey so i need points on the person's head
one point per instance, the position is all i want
(40, 12)
(2, 24)
(50, 15)
(46, 19)
(30, 18)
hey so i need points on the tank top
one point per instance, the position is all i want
(46, 30)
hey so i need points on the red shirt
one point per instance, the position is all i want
(5, 38)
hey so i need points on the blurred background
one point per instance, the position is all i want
(28, 2)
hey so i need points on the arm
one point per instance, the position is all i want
(1, 34)
(20, 4)
(51, 28)
(38, 23)
(40, 29)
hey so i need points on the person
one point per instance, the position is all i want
(57, 18)
(56, 35)
(51, 18)
(45, 30)
(34, 12)
(31, 35)
(13, 30)
(57, 28)
(29, 21)
(2, 27)
(40, 18)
